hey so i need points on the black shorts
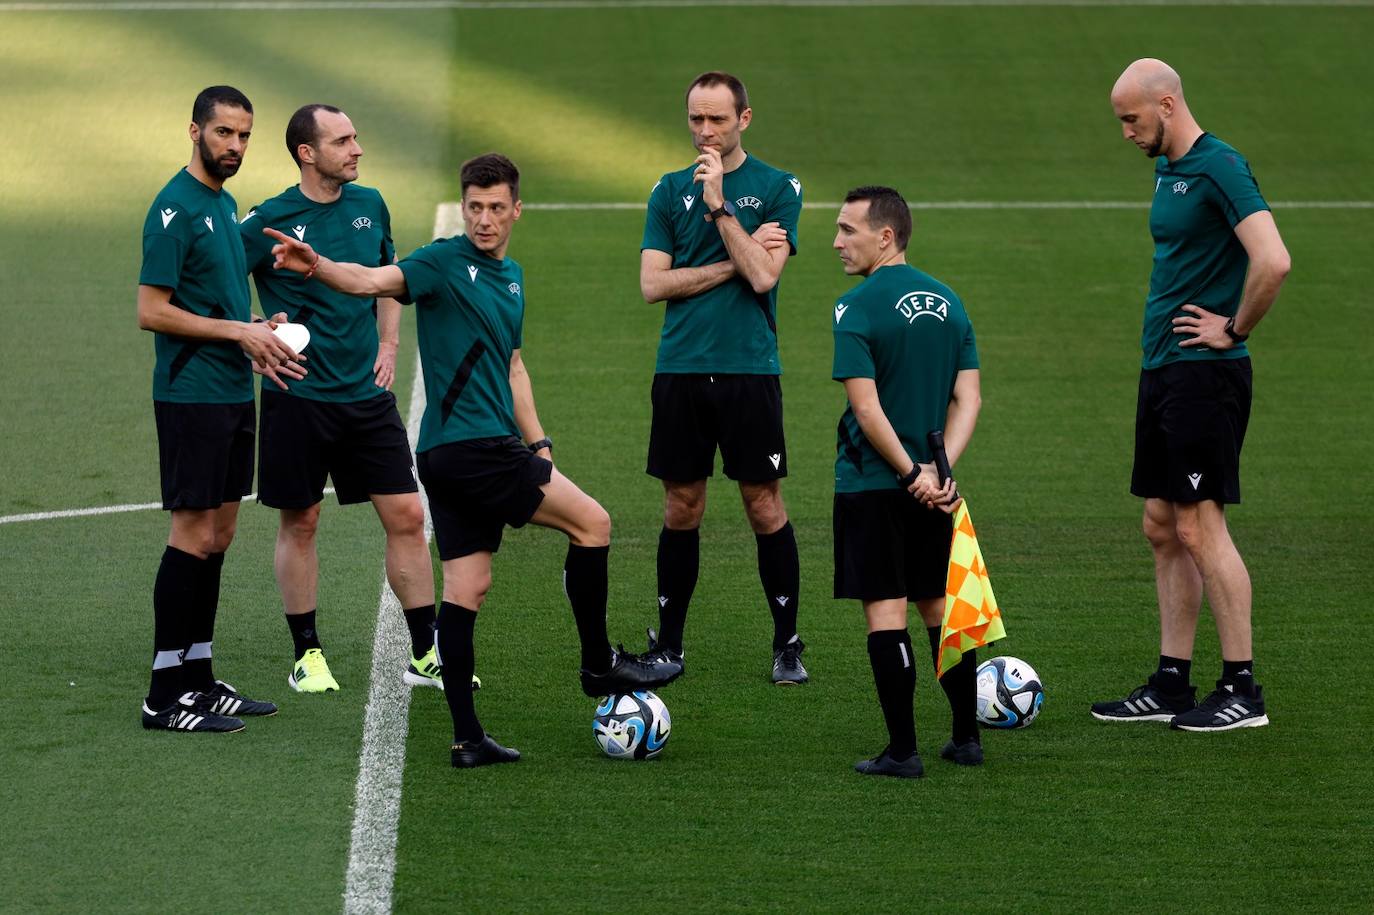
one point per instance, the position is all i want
(1190, 424)
(204, 452)
(362, 445)
(476, 488)
(695, 413)
(889, 545)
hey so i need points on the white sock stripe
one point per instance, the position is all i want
(199, 651)
(165, 659)
(906, 658)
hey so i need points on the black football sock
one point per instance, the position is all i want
(960, 684)
(584, 580)
(198, 672)
(173, 598)
(420, 622)
(679, 559)
(303, 633)
(1240, 675)
(780, 572)
(456, 654)
(894, 674)
(1172, 675)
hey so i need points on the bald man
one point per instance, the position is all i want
(1218, 266)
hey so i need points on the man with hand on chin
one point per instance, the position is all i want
(716, 239)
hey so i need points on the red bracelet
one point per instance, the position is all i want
(311, 272)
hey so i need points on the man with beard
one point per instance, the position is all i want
(1218, 266)
(483, 455)
(193, 295)
(340, 419)
(716, 238)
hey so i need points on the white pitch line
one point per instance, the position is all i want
(139, 6)
(105, 510)
(371, 872)
(381, 762)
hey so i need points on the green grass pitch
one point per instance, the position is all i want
(752, 806)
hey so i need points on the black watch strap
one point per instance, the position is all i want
(1235, 335)
(540, 445)
(725, 209)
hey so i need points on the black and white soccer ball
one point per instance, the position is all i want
(1009, 693)
(632, 725)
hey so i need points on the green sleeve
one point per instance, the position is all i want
(166, 239)
(658, 223)
(785, 209)
(422, 273)
(388, 246)
(1236, 186)
(257, 245)
(968, 351)
(853, 355)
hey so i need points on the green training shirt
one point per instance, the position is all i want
(908, 332)
(1199, 199)
(356, 229)
(729, 328)
(470, 310)
(191, 246)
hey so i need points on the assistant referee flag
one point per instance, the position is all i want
(971, 615)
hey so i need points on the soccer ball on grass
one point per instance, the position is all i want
(1009, 693)
(632, 725)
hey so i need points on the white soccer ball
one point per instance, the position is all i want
(1009, 693)
(632, 725)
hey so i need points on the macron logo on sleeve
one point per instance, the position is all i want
(840, 309)
(472, 273)
(299, 232)
(796, 185)
(687, 201)
(167, 217)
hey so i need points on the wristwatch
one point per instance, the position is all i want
(725, 209)
(540, 445)
(1235, 335)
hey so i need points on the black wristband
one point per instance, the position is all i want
(540, 445)
(910, 478)
(1235, 335)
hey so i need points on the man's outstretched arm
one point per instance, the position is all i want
(353, 279)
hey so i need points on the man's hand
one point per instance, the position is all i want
(771, 236)
(710, 172)
(293, 370)
(292, 254)
(928, 491)
(1208, 329)
(263, 347)
(385, 366)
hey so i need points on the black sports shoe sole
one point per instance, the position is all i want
(1164, 717)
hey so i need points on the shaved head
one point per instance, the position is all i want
(1148, 101)
(1154, 79)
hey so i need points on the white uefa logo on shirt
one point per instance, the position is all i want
(362, 222)
(1180, 187)
(514, 288)
(915, 305)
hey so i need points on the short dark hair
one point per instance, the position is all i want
(305, 128)
(721, 78)
(886, 208)
(488, 171)
(204, 108)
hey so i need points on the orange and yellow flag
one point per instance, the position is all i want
(971, 615)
